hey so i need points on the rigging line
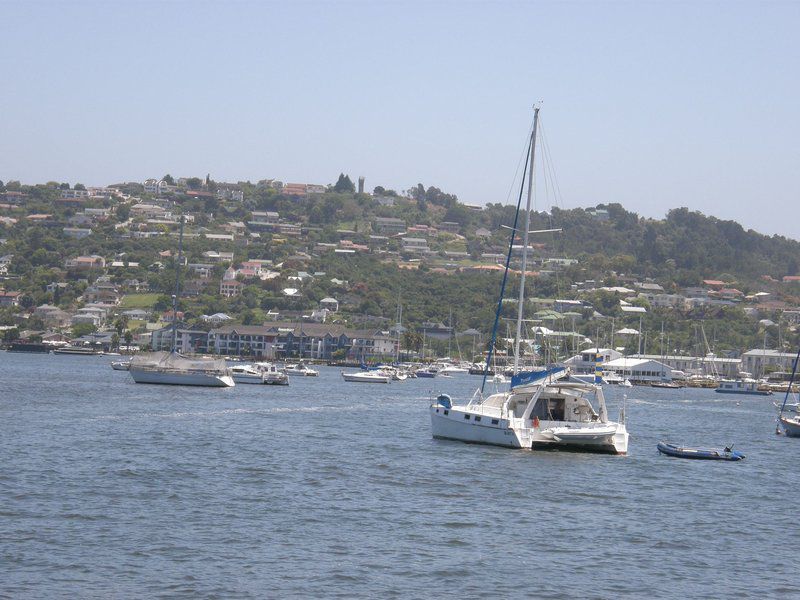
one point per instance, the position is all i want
(505, 272)
(560, 196)
(548, 163)
(519, 162)
(789, 387)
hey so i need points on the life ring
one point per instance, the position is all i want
(535, 422)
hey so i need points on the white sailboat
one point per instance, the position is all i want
(172, 368)
(542, 410)
(789, 425)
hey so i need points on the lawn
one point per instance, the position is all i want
(138, 301)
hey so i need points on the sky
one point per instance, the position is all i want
(654, 105)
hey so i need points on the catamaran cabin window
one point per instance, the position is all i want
(477, 418)
(466, 417)
(495, 421)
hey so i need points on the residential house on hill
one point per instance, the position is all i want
(85, 263)
(389, 225)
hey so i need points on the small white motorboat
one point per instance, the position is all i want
(301, 369)
(272, 374)
(120, 365)
(367, 377)
(247, 374)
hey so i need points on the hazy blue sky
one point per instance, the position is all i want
(650, 104)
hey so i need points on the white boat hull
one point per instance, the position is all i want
(791, 426)
(257, 379)
(548, 435)
(365, 378)
(166, 378)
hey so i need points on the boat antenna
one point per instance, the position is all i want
(786, 395)
(525, 234)
(505, 273)
(177, 288)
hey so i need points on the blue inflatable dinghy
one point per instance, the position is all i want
(699, 453)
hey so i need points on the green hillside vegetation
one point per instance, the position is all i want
(678, 251)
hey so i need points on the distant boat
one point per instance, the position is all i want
(666, 384)
(367, 377)
(477, 369)
(247, 374)
(301, 369)
(272, 374)
(426, 373)
(79, 350)
(727, 453)
(120, 365)
(172, 368)
(741, 386)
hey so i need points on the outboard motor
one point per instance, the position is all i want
(444, 400)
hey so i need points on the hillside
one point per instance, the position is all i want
(422, 249)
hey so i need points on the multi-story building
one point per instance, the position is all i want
(389, 225)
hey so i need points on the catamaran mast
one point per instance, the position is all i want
(177, 289)
(526, 232)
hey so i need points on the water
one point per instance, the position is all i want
(327, 489)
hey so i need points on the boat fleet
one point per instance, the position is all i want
(547, 407)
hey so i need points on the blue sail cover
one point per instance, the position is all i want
(528, 377)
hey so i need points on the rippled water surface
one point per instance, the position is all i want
(328, 489)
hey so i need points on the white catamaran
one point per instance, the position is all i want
(542, 409)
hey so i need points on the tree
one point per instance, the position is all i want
(168, 179)
(128, 338)
(80, 186)
(82, 329)
(194, 183)
(344, 184)
(115, 340)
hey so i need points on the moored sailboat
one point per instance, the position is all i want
(789, 425)
(542, 409)
(172, 368)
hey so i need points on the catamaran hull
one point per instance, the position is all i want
(791, 427)
(445, 428)
(455, 426)
(197, 379)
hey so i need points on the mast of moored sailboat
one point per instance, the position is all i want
(177, 288)
(525, 234)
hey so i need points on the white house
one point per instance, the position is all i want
(642, 370)
(332, 304)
